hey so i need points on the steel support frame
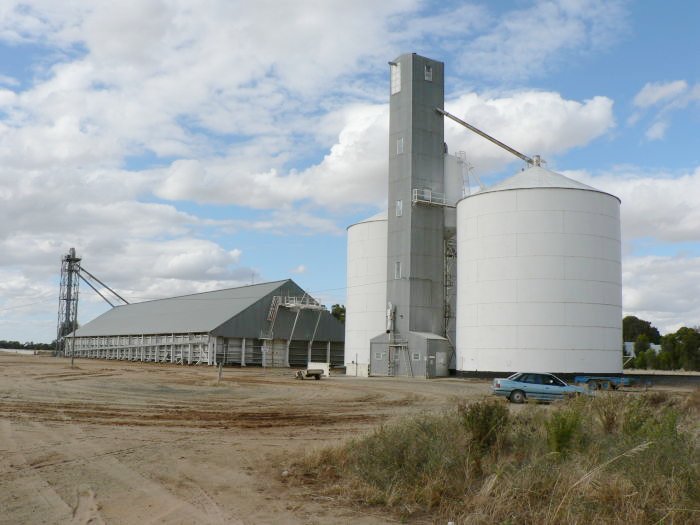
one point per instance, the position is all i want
(67, 300)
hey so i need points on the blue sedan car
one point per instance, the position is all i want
(541, 387)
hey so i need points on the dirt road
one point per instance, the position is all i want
(119, 442)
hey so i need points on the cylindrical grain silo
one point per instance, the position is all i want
(454, 190)
(539, 277)
(365, 308)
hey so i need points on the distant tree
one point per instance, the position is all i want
(688, 342)
(641, 344)
(669, 353)
(31, 345)
(641, 361)
(664, 361)
(633, 327)
(338, 311)
(651, 358)
(680, 350)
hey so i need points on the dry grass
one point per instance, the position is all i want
(610, 459)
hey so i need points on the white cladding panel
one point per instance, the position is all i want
(539, 281)
(454, 179)
(365, 314)
(454, 190)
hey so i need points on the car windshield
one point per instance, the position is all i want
(514, 376)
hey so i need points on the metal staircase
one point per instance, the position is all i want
(293, 303)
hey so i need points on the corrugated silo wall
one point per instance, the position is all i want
(539, 282)
(365, 314)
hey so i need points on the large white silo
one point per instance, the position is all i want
(365, 308)
(454, 190)
(539, 277)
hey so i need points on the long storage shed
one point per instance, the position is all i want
(275, 324)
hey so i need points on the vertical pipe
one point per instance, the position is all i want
(291, 336)
(313, 336)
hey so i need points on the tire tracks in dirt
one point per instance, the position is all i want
(32, 483)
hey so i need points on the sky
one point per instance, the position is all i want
(188, 146)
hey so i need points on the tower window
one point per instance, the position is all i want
(397, 270)
(399, 208)
(428, 73)
(399, 146)
(395, 78)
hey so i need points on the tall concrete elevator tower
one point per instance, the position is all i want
(414, 338)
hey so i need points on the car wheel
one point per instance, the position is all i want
(517, 396)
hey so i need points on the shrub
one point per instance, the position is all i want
(606, 408)
(414, 462)
(640, 465)
(660, 427)
(485, 421)
(564, 429)
(692, 403)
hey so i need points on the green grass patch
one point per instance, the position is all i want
(610, 459)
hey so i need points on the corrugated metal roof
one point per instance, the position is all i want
(538, 177)
(201, 312)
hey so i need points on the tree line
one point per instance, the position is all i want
(31, 345)
(679, 350)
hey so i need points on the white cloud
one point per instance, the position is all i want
(530, 41)
(663, 290)
(657, 130)
(532, 122)
(290, 220)
(159, 76)
(354, 170)
(660, 206)
(299, 269)
(667, 98)
(8, 80)
(655, 92)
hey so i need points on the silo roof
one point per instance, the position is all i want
(539, 177)
(381, 216)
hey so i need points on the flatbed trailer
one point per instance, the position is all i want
(315, 370)
(602, 382)
(316, 373)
